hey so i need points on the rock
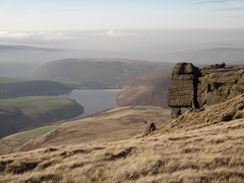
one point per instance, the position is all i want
(192, 88)
(150, 128)
(183, 88)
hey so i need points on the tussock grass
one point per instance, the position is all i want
(112, 125)
(201, 152)
(208, 154)
(224, 111)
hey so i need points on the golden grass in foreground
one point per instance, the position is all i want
(207, 154)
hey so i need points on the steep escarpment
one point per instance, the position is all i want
(194, 88)
(151, 91)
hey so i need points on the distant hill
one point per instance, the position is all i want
(102, 73)
(12, 88)
(27, 54)
(5, 79)
(205, 56)
(29, 112)
(15, 69)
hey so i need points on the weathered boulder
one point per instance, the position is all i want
(150, 128)
(192, 88)
(183, 88)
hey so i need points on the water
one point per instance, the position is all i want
(94, 101)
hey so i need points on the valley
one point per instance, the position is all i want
(121, 91)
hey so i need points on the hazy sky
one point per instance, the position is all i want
(30, 15)
(140, 29)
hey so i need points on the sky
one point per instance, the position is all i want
(33, 15)
(140, 29)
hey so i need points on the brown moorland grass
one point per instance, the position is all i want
(202, 152)
(208, 154)
(112, 125)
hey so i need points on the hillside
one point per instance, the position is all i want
(10, 53)
(29, 112)
(206, 151)
(6, 79)
(11, 88)
(230, 55)
(102, 73)
(113, 125)
(31, 88)
(153, 90)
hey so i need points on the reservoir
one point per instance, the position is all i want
(94, 101)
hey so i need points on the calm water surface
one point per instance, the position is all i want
(94, 101)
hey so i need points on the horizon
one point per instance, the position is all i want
(136, 29)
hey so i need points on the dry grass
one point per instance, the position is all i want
(209, 154)
(225, 111)
(113, 125)
(201, 152)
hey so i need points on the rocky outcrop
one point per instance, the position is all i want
(193, 88)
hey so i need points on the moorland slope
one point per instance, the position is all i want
(112, 125)
(203, 152)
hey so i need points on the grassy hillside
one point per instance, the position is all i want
(100, 73)
(211, 152)
(29, 112)
(113, 125)
(12, 88)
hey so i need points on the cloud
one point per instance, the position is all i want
(42, 35)
(113, 33)
(231, 9)
(217, 1)
(49, 35)
(13, 35)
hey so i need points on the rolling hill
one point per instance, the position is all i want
(29, 112)
(103, 73)
(12, 88)
(203, 56)
(112, 125)
(22, 53)
(145, 83)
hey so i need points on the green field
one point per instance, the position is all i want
(33, 106)
(34, 111)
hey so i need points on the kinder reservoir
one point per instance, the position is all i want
(94, 101)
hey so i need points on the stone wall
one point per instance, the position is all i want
(193, 88)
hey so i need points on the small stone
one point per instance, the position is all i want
(150, 128)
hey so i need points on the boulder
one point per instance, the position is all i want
(150, 128)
